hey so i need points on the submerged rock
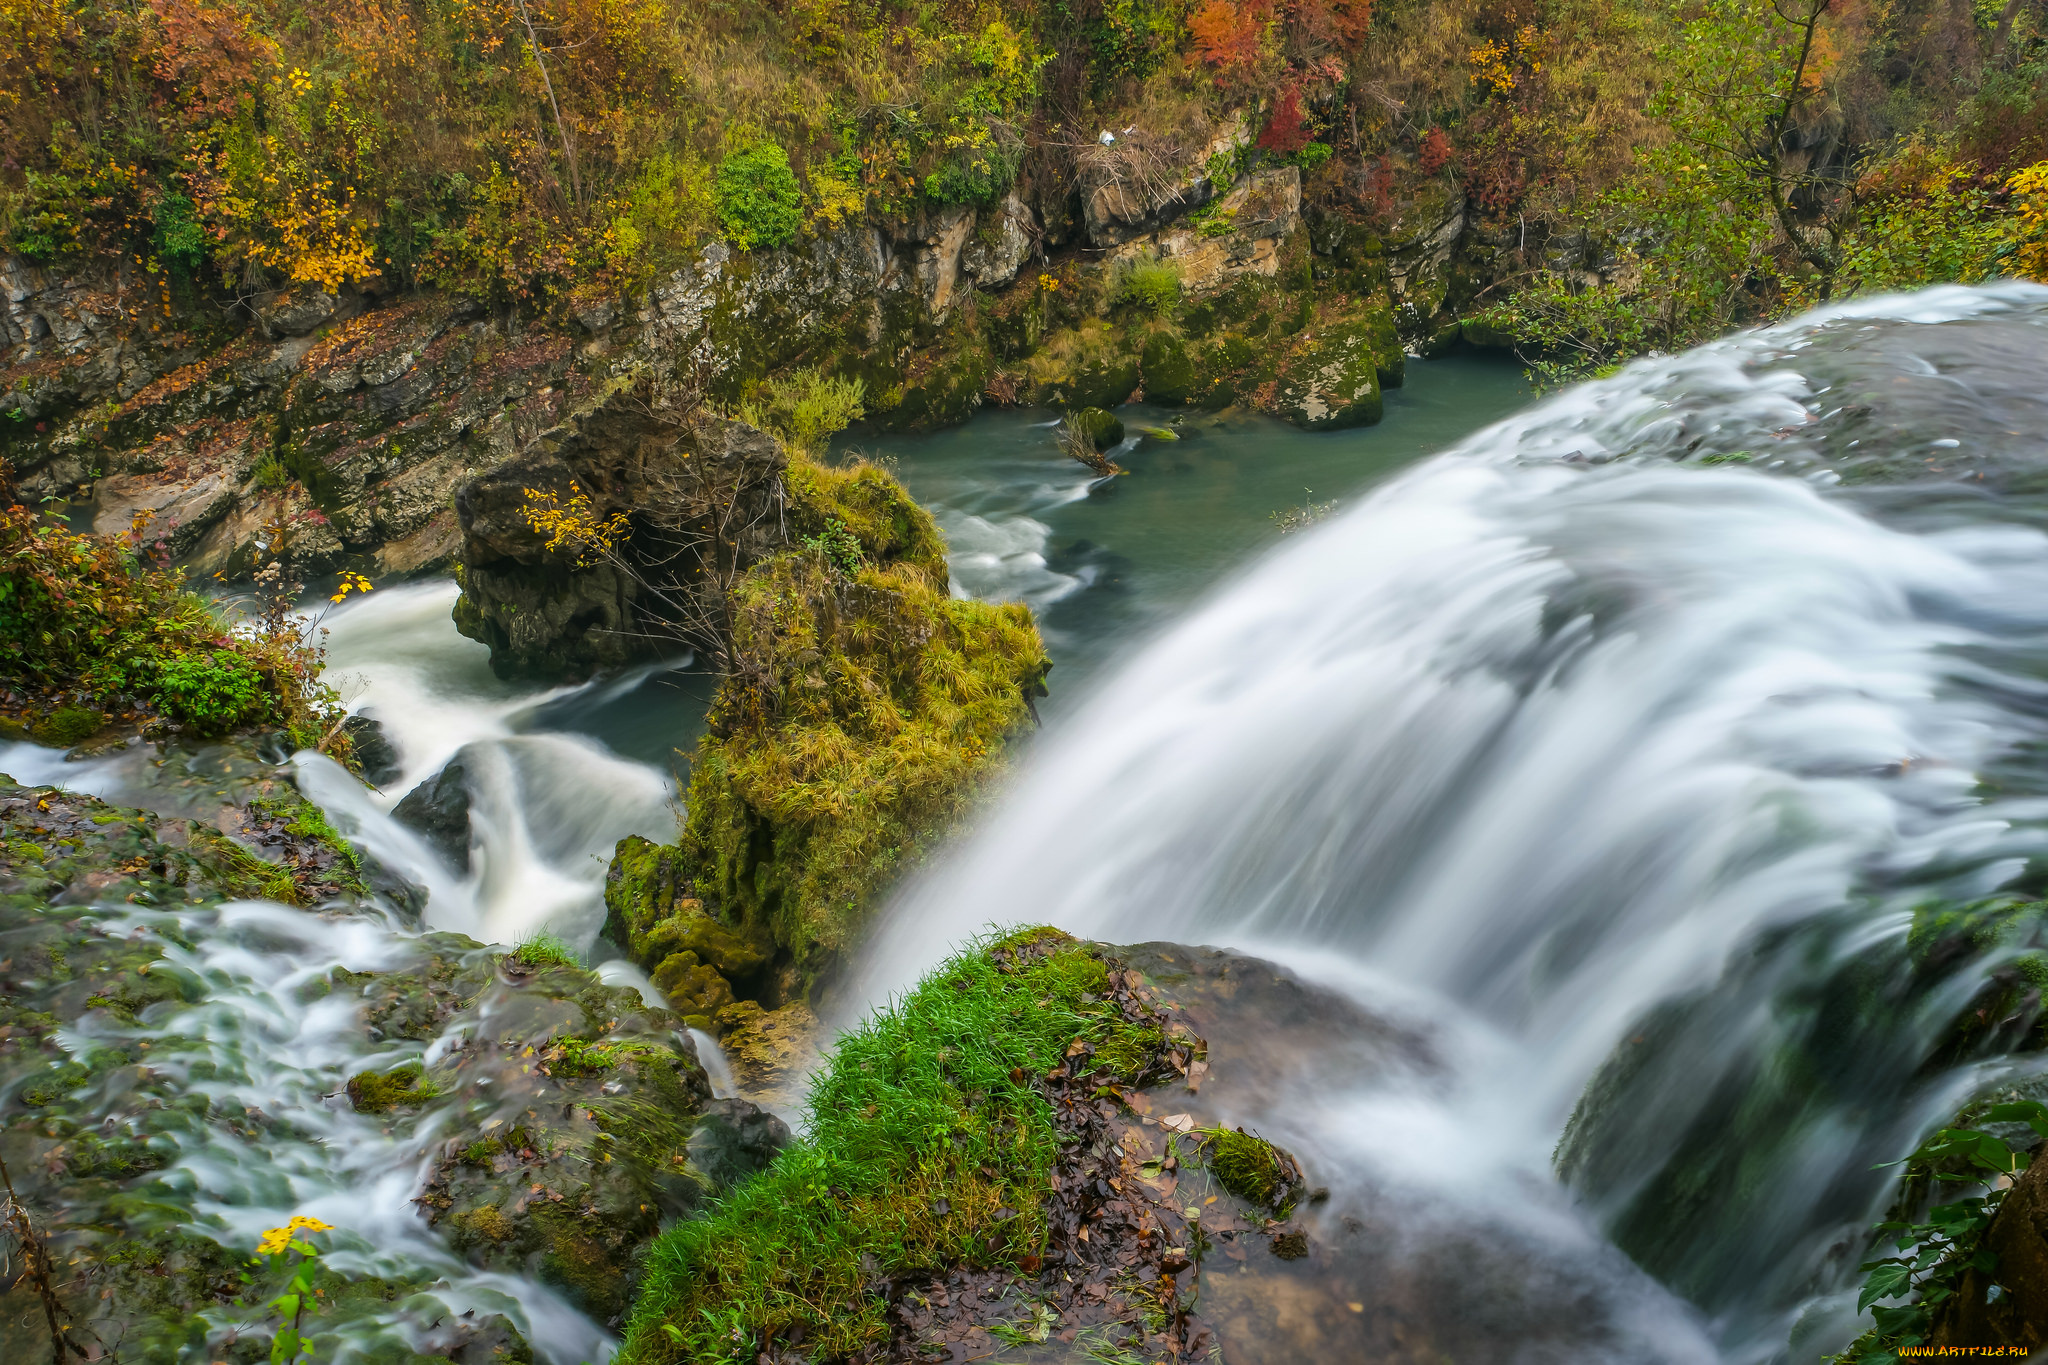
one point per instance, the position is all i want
(1103, 429)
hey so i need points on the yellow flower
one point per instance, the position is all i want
(311, 1224)
(274, 1242)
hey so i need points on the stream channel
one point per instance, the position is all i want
(1615, 742)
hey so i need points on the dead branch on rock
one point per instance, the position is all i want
(22, 1238)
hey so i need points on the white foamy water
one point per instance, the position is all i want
(546, 808)
(261, 1043)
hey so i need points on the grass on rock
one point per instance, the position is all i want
(929, 1146)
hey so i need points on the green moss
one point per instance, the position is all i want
(929, 1147)
(860, 721)
(1248, 1166)
(68, 725)
(374, 1092)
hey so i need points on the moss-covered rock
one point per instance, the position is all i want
(1103, 429)
(1331, 380)
(1252, 1168)
(1170, 375)
(864, 708)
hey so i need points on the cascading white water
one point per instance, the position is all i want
(546, 808)
(262, 1040)
(1544, 737)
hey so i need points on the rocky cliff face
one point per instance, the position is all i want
(348, 421)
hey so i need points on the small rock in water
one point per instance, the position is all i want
(439, 809)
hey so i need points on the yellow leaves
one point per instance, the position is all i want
(350, 582)
(835, 197)
(574, 525)
(2029, 189)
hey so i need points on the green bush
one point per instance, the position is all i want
(211, 692)
(805, 409)
(1149, 285)
(180, 238)
(759, 202)
(976, 176)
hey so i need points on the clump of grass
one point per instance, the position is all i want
(1148, 285)
(543, 949)
(929, 1146)
(805, 409)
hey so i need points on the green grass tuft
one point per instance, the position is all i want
(545, 950)
(929, 1147)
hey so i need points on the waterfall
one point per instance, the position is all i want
(1635, 720)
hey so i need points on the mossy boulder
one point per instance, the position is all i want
(864, 708)
(1103, 429)
(1171, 377)
(1252, 1168)
(945, 395)
(1331, 380)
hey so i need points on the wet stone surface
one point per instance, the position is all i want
(1153, 1256)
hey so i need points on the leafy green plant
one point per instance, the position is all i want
(758, 199)
(1932, 1252)
(838, 544)
(180, 238)
(211, 692)
(290, 1344)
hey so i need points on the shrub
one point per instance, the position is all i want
(804, 410)
(759, 202)
(85, 623)
(1149, 285)
(180, 238)
(211, 692)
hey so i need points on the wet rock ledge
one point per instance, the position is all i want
(161, 1039)
(1053, 1150)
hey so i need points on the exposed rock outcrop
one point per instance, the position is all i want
(703, 500)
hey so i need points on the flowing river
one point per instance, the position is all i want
(1612, 745)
